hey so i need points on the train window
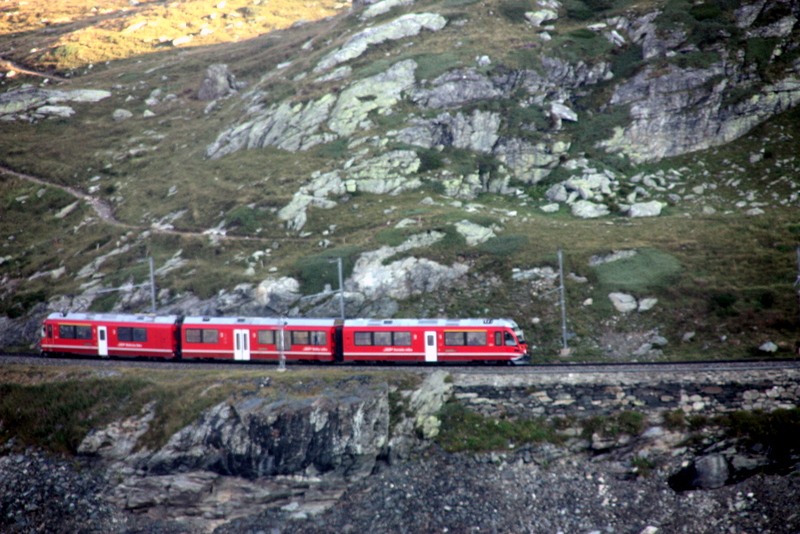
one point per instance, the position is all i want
(193, 335)
(83, 332)
(202, 335)
(300, 338)
(454, 338)
(49, 330)
(126, 333)
(382, 338)
(319, 338)
(66, 331)
(362, 338)
(476, 339)
(210, 335)
(498, 338)
(71, 331)
(402, 339)
(266, 337)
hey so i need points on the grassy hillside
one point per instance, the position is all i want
(724, 275)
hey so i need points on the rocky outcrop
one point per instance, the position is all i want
(296, 127)
(405, 26)
(478, 132)
(666, 120)
(405, 277)
(32, 104)
(379, 93)
(331, 435)
(389, 173)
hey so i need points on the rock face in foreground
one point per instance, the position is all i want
(252, 439)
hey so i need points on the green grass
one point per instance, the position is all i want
(649, 269)
(464, 430)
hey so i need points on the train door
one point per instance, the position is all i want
(241, 344)
(102, 341)
(431, 354)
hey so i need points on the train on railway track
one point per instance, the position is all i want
(274, 339)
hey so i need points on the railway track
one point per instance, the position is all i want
(554, 368)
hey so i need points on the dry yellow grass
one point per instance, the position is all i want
(59, 35)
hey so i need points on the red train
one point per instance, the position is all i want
(267, 339)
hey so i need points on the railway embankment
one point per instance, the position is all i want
(616, 452)
(582, 395)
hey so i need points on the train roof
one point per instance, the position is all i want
(432, 322)
(115, 317)
(260, 321)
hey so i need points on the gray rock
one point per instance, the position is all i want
(278, 294)
(529, 163)
(384, 6)
(477, 132)
(403, 278)
(56, 111)
(337, 435)
(121, 114)
(390, 173)
(589, 210)
(20, 100)
(400, 28)
(646, 209)
(218, 82)
(769, 346)
(623, 302)
(286, 126)
(87, 95)
(614, 256)
(474, 233)
(456, 88)
(550, 208)
(664, 117)
(538, 17)
(376, 93)
(711, 472)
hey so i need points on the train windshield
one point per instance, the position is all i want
(520, 335)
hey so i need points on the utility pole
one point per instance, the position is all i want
(341, 285)
(338, 260)
(152, 286)
(564, 348)
(282, 363)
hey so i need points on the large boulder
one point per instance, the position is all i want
(707, 472)
(218, 82)
(589, 210)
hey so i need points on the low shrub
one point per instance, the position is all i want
(504, 245)
(611, 426)
(464, 430)
(514, 10)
